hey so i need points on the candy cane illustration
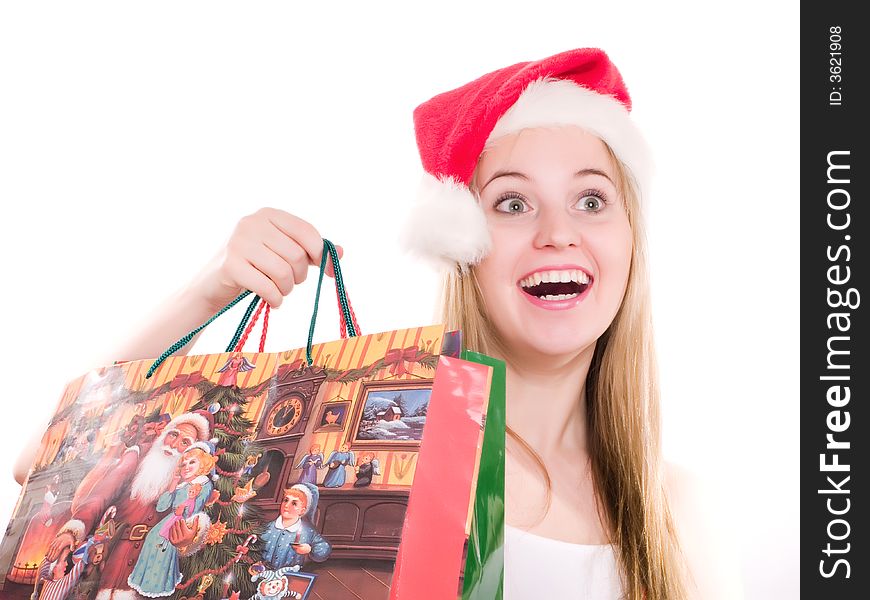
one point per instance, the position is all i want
(242, 549)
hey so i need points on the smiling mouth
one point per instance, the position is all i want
(556, 285)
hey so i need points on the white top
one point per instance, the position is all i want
(539, 567)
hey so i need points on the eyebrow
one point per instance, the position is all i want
(583, 172)
(524, 177)
(498, 174)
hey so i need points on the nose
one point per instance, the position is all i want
(556, 230)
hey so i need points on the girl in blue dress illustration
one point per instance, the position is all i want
(157, 570)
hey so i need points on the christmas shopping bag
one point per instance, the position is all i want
(346, 469)
(482, 576)
(484, 567)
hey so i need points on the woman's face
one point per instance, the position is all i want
(562, 243)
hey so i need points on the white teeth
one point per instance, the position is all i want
(559, 296)
(576, 276)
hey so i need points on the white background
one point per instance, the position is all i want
(132, 138)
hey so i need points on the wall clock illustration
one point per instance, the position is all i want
(284, 416)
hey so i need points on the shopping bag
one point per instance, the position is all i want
(346, 469)
(483, 577)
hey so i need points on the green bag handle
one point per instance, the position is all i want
(347, 316)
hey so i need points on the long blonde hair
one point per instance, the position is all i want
(622, 404)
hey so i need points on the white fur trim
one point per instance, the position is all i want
(132, 449)
(202, 446)
(75, 527)
(550, 102)
(199, 541)
(140, 593)
(197, 420)
(446, 225)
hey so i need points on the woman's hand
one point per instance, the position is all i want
(269, 253)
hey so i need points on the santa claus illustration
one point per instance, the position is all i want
(141, 475)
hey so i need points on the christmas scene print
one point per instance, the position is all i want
(393, 411)
(223, 476)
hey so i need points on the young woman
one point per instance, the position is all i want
(533, 201)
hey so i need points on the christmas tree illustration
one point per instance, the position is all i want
(234, 519)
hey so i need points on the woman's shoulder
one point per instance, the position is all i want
(705, 530)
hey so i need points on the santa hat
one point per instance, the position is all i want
(578, 87)
(202, 420)
(208, 447)
(312, 496)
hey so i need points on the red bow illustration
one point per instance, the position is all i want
(155, 428)
(398, 359)
(181, 380)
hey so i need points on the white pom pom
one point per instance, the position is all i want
(446, 226)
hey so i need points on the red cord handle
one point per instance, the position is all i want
(263, 304)
(250, 327)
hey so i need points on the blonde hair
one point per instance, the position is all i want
(206, 460)
(298, 494)
(622, 405)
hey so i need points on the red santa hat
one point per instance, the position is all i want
(579, 87)
(202, 420)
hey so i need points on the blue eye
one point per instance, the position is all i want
(511, 203)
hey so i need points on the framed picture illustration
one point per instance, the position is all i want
(390, 415)
(333, 416)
